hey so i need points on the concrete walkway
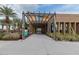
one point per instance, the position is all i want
(38, 44)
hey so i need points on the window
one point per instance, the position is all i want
(4, 28)
(38, 30)
(11, 27)
(0, 26)
(52, 27)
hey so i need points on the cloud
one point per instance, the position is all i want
(59, 8)
(23, 7)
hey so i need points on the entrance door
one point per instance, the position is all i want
(38, 30)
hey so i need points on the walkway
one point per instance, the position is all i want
(38, 44)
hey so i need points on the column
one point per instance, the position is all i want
(64, 27)
(69, 29)
(49, 27)
(58, 27)
(75, 26)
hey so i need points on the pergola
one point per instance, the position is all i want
(38, 19)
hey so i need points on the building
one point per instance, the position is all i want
(52, 22)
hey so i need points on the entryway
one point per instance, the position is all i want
(38, 31)
(40, 28)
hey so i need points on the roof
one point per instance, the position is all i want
(67, 17)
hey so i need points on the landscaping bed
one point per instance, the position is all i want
(9, 36)
(64, 37)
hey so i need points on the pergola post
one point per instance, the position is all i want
(54, 22)
(69, 28)
(64, 26)
(58, 27)
(23, 23)
(75, 27)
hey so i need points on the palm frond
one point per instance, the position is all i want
(7, 11)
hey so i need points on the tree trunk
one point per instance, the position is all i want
(7, 28)
(7, 22)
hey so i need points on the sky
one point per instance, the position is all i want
(58, 8)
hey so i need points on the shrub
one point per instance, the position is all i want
(11, 36)
(66, 36)
(77, 37)
(59, 36)
(1, 35)
(74, 38)
(50, 34)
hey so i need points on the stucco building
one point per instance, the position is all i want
(50, 22)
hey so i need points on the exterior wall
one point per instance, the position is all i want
(67, 20)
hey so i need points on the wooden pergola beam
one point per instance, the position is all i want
(50, 18)
(36, 15)
(40, 14)
(31, 16)
(43, 18)
(28, 18)
(47, 17)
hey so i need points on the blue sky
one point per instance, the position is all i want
(58, 8)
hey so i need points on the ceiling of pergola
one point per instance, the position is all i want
(38, 17)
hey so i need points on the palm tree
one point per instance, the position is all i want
(7, 12)
(17, 23)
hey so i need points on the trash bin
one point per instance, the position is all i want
(25, 33)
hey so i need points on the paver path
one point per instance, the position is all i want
(38, 44)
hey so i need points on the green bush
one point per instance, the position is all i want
(74, 38)
(77, 37)
(69, 37)
(50, 34)
(11, 36)
(1, 35)
(66, 36)
(59, 36)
